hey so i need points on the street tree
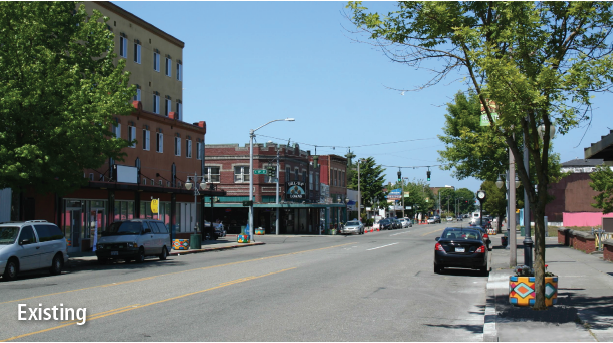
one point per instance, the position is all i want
(602, 181)
(371, 181)
(495, 203)
(539, 62)
(60, 87)
(419, 198)
(466, 200)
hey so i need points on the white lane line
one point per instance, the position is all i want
(383, 246)
(399, 233)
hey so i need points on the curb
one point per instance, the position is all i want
(195, 251)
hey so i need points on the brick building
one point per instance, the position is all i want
(334, 184)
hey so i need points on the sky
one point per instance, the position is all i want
(247, 63)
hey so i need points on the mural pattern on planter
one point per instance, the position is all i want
(522, 291)
(181, 244)
(243, 238)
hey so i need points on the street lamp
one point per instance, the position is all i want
(251, 136)
(188, 185)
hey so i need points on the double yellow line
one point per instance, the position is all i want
(137, 306)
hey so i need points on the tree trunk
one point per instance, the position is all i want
(539, 247)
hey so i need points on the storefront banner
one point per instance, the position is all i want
(296, 190)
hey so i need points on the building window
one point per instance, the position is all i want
(288, 174)
(304, 176)
(177, 146)
(159, 147)
(199, 151)
(146, 136)
(241, 174)
(212, 174)
(335, 176)
(296, 173)
(179, 110)
(156, 104)
(132, 136)
(311, 181)
(137, 96)
(316, 182)
(144, 181)
(167, 107)
(123, 47)
(137, 53)
(168, 67)
(117, 129)
(179, 72)
(343, 178)
(188, 148)
(156, 62)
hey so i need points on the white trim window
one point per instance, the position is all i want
(211, 175)
(199, 151)
(179, 71)
(146, 139)
(167, 107)
(159, 147)
(296, 174)
(179, 110)
(132, 136)
(156, 104)
(137, 53)
(241, 174)
(168, 67)
(188, 148)
(177, 146)
(156, 62)
(117, 129)
(288, 174)
(137, 96)
(123, 47)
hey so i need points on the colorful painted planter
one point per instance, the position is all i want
(180, 244)
(259, 231)
(243, 238)
(522, 291)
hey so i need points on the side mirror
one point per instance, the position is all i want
(24, 242)
(436, 239)
(147, 231)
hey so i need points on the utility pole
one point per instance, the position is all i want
(528, 243)
(277, 197)
(512, 206)
(359, 194)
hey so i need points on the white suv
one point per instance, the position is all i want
(33, 244)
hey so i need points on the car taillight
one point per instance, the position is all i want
(439, 247)
(481, 249)
(485, 236)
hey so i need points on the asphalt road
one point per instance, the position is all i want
(373, 287)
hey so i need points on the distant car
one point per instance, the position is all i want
(133, 239)
(459, 218)
(397, 223)
(406, 222)
(386, 224)
(434, 220)
(461, 247)
(352, 226)
(449, 218)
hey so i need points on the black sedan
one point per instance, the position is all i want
(386, 224)
(461, 247)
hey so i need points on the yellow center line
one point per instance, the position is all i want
(134, 307)
(427, 233)
(169, 274)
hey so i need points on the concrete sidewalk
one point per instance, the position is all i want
(584, 312)
(79, 260)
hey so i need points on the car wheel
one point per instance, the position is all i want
(102, 260)
(437, 269)
(56, 265)
(485, 271)
(164, 253)
(11, 270)
(140, 257)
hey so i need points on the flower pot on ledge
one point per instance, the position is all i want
(522, 290)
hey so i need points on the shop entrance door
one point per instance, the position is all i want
(75, 227)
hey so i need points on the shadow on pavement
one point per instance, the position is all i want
(470, 328)
(462, 272)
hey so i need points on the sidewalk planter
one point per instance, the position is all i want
(180, 244)
(243, 238)
(259, 231)
(522, 290)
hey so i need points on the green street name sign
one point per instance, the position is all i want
(485, 121)
(259, 171)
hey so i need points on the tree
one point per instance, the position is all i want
(466, 200)
(539, 62)
(602, 181)
(59, 90)
(371, 181)
(420, 197)
(495, 203)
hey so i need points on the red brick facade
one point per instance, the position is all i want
(608, 250)
(579, 240)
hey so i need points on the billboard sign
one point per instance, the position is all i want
(394, 194)
(296, 190)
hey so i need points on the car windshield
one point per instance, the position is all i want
(461, 234)
(8, 234)
(123, 228)
(352, 223)
(384, 221)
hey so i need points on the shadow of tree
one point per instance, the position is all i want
(462, 272)
(470, 328)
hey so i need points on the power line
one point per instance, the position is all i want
(353, 146)
(432, 165)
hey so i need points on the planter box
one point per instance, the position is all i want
(243, 238)
(521, 291)
(259, 231)
(180, 244)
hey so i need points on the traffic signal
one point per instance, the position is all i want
(399, 176)
(428, 175)
(272, 171)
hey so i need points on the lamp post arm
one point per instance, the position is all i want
(272, 121)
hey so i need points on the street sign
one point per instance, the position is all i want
(247, 203)
(259, 171)
(483, 119)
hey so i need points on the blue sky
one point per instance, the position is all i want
(246, 63)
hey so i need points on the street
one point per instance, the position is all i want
(373, 287)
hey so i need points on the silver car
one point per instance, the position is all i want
(33, 244)
(406, 222)
(353, 226)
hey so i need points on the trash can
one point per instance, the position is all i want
(504, 240)
(523, 231)
(195, 241)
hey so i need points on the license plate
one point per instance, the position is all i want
(117, 253)
(459, 249)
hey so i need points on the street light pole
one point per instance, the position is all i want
(359, 194)
(251, 136)
(194, 183)
(277, 197)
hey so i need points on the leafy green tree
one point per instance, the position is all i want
(371, 181)
(420, 197)
(495, 203)
(540, 62)
(60, 87)
(602, 181)
(466, 200)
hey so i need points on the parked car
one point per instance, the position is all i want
(33, 244)
(133, 239)
(461, 247)
(459, 218)
(397, 223)
(449, 218)
(406, 222)
(483, 233)
(434, 220)
(352, 226)
(386, 224)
